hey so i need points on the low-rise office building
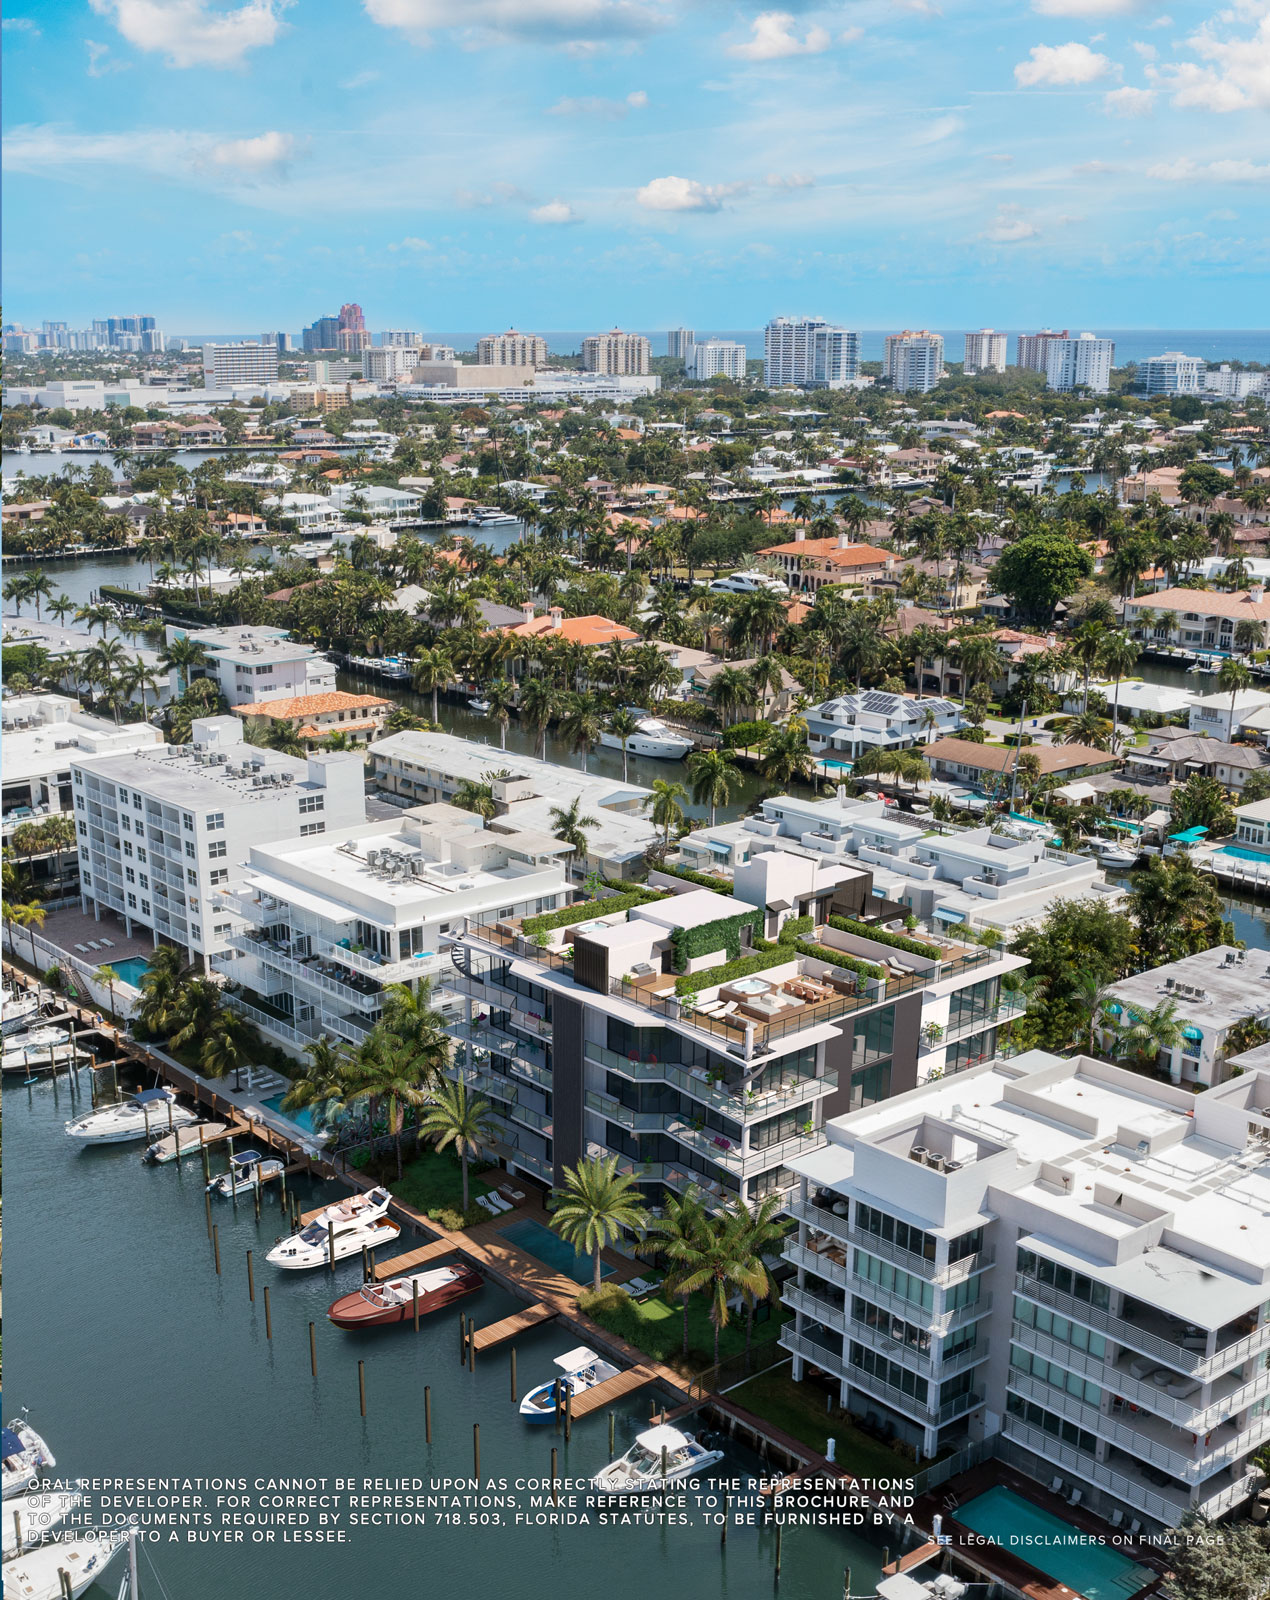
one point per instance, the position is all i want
(1059, 1256)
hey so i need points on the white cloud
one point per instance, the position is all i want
(1061, 63)
(100, 60)
(1083, 8)
(20, 25)
(1129, 102)
(1148, 52)
(789, 180)
(1010, 227)
(554, 212)
(597, 106)
(361, 80)
(683, 194)
(773, 37)
(1235, 75)
(267, 152)
(411, 244)
(1221, 171)
(571, 22)
(1093, 169)
(937, 131)
(190, 35)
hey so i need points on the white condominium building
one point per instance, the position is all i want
(715, 358)
(253, 664)
(1032, 347)
(227, 364)
(914, 362)
(1228, 384)
(163, 830)
(1080, 363)
(512, 349)
(398, 338)
(1059, 1255)
(1172, 373)
(985, 352)
(679, 342)
(388, 363)
(810, 352)
(616, 352)
(319, 927)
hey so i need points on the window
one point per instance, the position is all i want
(83, 828)
(136, 805)
(123, 797)
(193, 903)
(190, 850)
(311, 802)
(1055, 1376)
(220, 875)
(221, 928)
(1061, 1329)
(79, 799)
(1064, 1279)
(125, 824)
(87, 877)
(889, 1372)
(191, 876)
(188, 821)
(889, 1325)
(141, 832)
(894, 1280)
(307, 828)
(145, 882)
(127, 848)
(1036, 1417)
(78, 776)
(217, 849)
(879, 1223)
(141, 855)
(215, 820)
(130, 875)
(132, 901)
(195, 931)
(145, 907)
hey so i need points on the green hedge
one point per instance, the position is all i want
(837, 958)
(795, 928)
(585, 909)
(897, 941)
(717, 885)
(724, 933)
(770, 955)
(742, 734)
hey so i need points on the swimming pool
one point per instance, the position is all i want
(1242, 854)
(302, 1118)
(828, 761)
(555, 1251)
(1088, 1566)
(131, 968)
(749, 986)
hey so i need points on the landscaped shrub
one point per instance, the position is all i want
(586, 909)
(742, 734)
(795, 928)
(608, 1300)
(897, 941)
(724, 933)
(701, 879)
(691, 982)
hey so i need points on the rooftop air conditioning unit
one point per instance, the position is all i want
(937, 1161)
(372, 856)
(919, 1153)
(953, 1166)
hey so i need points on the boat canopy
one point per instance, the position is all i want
(10, 1444)
(576, 1360)
(147, 1097)
(662, 1437)
(247, 1158)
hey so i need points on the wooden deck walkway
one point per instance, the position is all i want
(412, 1259)
(915, 1558)
(612, 1389)
(191, 1139)
(509, 1327)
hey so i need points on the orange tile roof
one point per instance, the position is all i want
(312, 705)
(581, 630)
(1001, 758)
(310, 732)
(1206, 603)
(854, 555)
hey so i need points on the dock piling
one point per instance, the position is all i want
(513, 1369)
(17, 1531)
(414, 1296)
(330, 1244)
(365, 1265)
(555, 1472)
(846, 1583)
(568, 1412)
(723, 1531)
(268, 1318)
(476, 1451)
(555, 1404)
(780, 1528)
(251, 1280)
(312, 1350)
(207, 1200)
(216, 1246)
(427, 1413)
(471, 1344)
(361, 1385)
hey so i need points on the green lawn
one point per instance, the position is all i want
(799, 1410)
(655, 1326)
(431, 1179)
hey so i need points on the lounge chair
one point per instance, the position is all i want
(82, 948)
(109, 943)
(636, 1286)
(496, 1200)
(707, 1008)
(1056, 1486)
(1142, 1367)
(93, 945)
(1116, 1519)
(1075, 1497)
(727, 1010)
(1135, 1527)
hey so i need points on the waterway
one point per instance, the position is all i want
(136, 1360)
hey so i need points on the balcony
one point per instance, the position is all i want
(674, 1177)
(1144, 1445)
(305, 968)
(898, 1399)
(835, 1272)
(732, 1100)
(801, 1344)
(1134, 1492)
(428, 964)
(266, 1019)
(828, 1312)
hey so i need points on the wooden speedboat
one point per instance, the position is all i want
(24, 1453)
(376, 1305)
(580, 1369)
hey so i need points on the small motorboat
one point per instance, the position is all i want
(315, 1244)
(247, 1170)
(38, 1573)
(20, 1011)
(659, 1457)
(24, 1453)
(580, 1369)
(28, 1517)
(148, 1112)
(1112, 852)
(376, 1305)
(37, 1050)
(478, 703)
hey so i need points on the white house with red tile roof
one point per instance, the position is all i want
(314, 716)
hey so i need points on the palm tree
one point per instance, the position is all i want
(475, 796)
(678, 1232)
(273, 733)
(594, 1206)
(664, 804)
(786, 757)
(433, 670)
(455, 1119)
(539, 703)
(106, 975)
(229, 1045)
(1145, 1035)
(1091, 997)
(1176, 908)
(728, 689)
(197, 1010)
(1232, 678)
(385, 1072)
(758, 1234)
(321, 1087)
(721, 1263)
(501, 696)
(1119, 653)
(570, 827)
(714, 775)
(38, 588)
(766, 677)
(180, 656)
(29, 916)
(582, 725)
(624, 725)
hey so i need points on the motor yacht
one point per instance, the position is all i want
(479, 704)
(484, 516)
(24, 1453)
(359, 1220)
(376, 1305)
(651, 738)
(580, 1369)
(150, 1111)
(247, 1170)
(38, 1573)
(1112, 852)
(659, 1457)
(20, 1011)
(28, 1517)
(37, 1050)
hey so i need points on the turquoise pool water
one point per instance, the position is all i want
(555, 1251)
(131, 969)
(1241, 854)
(1091, 1568)
(830, 762)
(302, 1118)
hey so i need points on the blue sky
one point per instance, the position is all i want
(568, 163)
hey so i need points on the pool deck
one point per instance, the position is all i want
(68, 928)
(1001, 1563)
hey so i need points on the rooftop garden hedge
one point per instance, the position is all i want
(724, 933)
(701, 879)
(897, 941)
(586, 909)
(770, 955)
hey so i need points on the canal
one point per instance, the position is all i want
(136, 1361)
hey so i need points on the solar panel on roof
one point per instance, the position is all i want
(875, 700)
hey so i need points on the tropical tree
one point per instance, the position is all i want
(570, 827)
(582, 725)
(757, 1234)
(321, 1086)
(1232, 678)
(714, 775)
(197, 1009)
(455, 1118)
(501, 695)
(433, 669)
(664, 803)
(477, 796)
(594, 1206)
(181, 655)
(1176, 909)
(229, 1045)
(624, 725)
(786, 757)
(1091, 997)
(29, 916)
(1144, 1035)
(539, 704)
(720, 1264)
(385, 1072)
(678, 1232)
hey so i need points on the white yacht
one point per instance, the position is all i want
(247, 1169)
(36, 1048)
(359, 1220)
(659, 1457)
(143, 1116)
(1113, 852)
(651, 738)
(580, 1369)
(483, 516)
(20, 1011)
(38, 1573)
(24, 1453)
(28, 1517)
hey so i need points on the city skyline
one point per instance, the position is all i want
(250, 166)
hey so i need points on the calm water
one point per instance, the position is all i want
(135, 1359)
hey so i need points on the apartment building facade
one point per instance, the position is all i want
(1032, 347)
(255, 664)
(716, 358)
(227, 364)
(1057, 1255)
(914, 362)
(616, 353)
(809, 352)
(163, 830)
(679, 342)
(512, 349)
(1081, 363)
(985, 352)
(1172, 373)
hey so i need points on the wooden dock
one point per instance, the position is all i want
(509, 1327)
(915, 1558)
(611, 1389)
(412, 1259)
(191, 1139)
